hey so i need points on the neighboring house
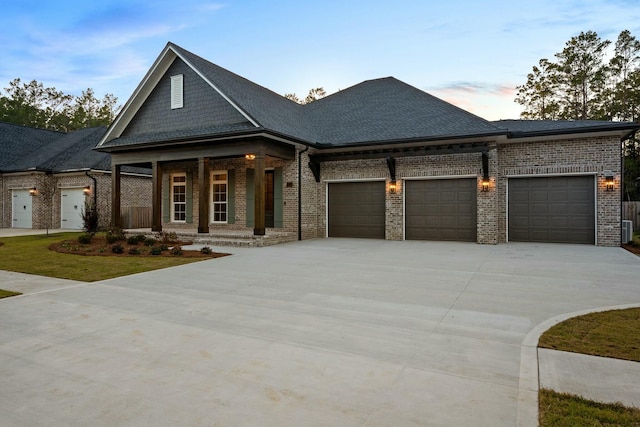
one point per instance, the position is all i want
(381, 159)
(48, 178)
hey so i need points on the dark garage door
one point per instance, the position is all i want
(552, 209)
(441, 209)
(357, 209)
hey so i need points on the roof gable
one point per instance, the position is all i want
(203, 107)
(149, 83)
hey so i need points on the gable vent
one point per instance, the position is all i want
(177, 92)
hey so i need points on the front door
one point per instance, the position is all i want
(268, 199)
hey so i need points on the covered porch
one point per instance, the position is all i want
(228, 190)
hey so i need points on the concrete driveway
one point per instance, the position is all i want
(331, 332)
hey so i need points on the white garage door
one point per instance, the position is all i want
(72, 205)
(22, 212)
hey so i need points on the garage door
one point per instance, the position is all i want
(357, 209)
(441, 209)
(72, 205)
(21, 209)
(552, 209)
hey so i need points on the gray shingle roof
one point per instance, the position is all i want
(23, 148)
(387, 109)
(376, 111)
(547, 127)
(19, 143)
(269, 109)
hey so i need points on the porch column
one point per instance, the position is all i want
(258, 180)
(115, 196)
(156, 196)
(203, 195)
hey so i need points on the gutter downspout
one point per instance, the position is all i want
(300, 192)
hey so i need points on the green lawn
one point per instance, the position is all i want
(609, 334)
(30, 254)
(6, 294)
(565, 410)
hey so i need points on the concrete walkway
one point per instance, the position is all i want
(326, 332)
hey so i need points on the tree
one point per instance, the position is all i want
(32, 104)
(313, 95)
(582, 86)
(537, 95)
(581, 74)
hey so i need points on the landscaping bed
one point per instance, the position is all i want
(117, 244)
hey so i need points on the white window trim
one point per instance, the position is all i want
(177, 91)
(173, 203)
(213, 203)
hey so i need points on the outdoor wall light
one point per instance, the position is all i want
(485, 184)
(392, 187)
(250, 156)
(33, 191)
(608, 180)
(86, 190)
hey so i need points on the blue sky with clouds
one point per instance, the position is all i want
(471, 53)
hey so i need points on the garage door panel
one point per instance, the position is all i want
(356, 209)
(441, 209)
(552, 209)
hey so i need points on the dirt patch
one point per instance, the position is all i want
(100, 247)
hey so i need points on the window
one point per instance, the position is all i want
(219, 196)
(177, 92)
(179, 198)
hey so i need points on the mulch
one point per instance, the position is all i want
(633, 249)
(100, 247)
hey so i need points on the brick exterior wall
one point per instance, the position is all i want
(585, 156)
(418, 167)
(136, 192)
(590, 156)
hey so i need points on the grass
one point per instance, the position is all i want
(565, 410)
(6, 294)
(30, 254)
(608, 334)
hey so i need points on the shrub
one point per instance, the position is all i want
(149, 241)
(155, 250)
(85, 239)
(177, 251)
(206, 250)
(163, 247)
(117, 249)
(167, 237)
(89, 218)
(133, 240)
(114, 235)
(134, 251)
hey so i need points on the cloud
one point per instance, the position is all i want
(488, 100)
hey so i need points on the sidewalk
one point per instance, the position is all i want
(13, 232)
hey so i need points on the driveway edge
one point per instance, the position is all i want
(527, 409)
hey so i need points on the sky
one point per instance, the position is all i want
(471, 53)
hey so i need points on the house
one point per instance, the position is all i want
(49, 178)
(381, 159)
